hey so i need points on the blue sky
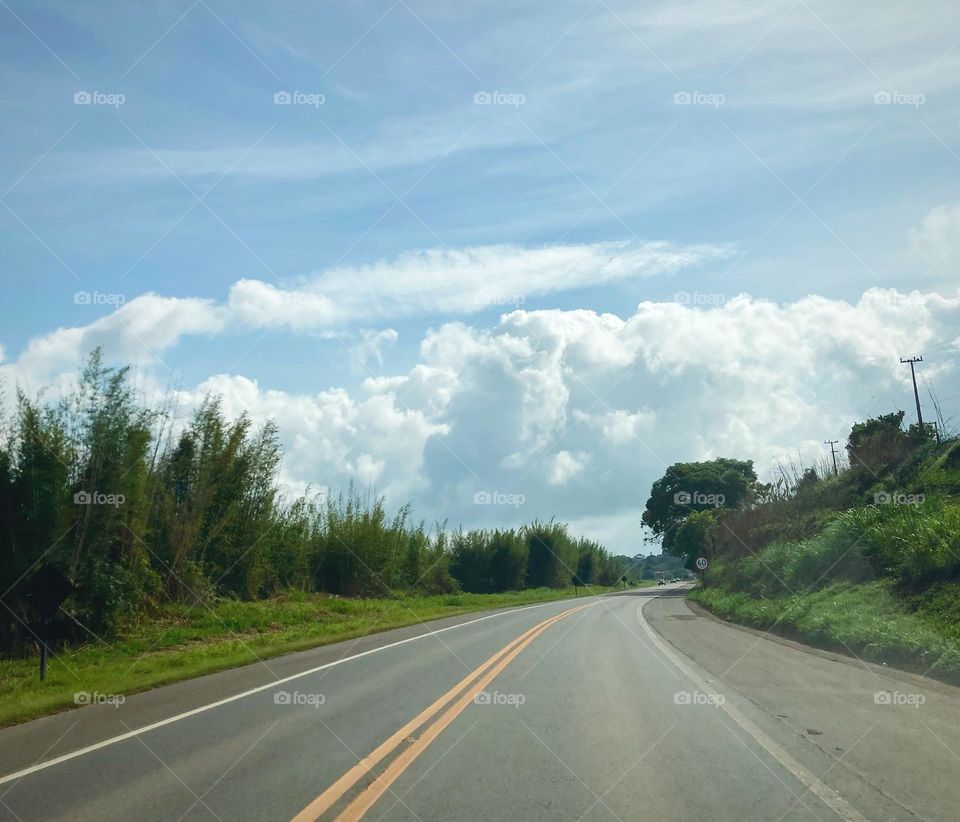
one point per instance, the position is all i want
(355, 254)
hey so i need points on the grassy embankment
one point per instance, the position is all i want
(879, 582)
(183, 642)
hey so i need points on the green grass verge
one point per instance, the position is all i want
(868, 619)
(180, 642)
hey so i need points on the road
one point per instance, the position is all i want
(621, 707)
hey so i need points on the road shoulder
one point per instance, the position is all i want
(896, 731)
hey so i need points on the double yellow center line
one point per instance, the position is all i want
(461, 695)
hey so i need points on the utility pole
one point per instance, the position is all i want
(833, 454)
(916, 395)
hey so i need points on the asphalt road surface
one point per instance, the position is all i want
(624, 707)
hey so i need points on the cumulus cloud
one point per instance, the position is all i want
(563, 466)
(618, 427)
(135, 333)
(331, 437)
(579, 411)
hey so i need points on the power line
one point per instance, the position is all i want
(939, 425)
(916, 394)
(833, 453)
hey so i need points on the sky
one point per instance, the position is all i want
(503, 263)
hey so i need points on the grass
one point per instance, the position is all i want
(881, 582)
(867, 619)
(182, 642)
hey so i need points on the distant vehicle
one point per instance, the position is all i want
(661, 581)
(675, 579)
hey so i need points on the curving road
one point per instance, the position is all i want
(621, 707)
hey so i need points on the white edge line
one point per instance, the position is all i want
(827, 795)
(40, 766)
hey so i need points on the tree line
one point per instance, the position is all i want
(895, 502)
(136, 512)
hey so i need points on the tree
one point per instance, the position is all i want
(693, 535)
(587, 568)
(686, 487)
(550, 555)
(879, 443)
(508, 561)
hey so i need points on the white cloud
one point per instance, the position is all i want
(424, 283)
(263, 305)
(366, 469)
(332, 437)
(619, 427)
(137, 332)
(403, 142)
(579, 412)
(133, 332)
(370, 347)
(936, 241)
(458, 281)
(547, 396)
(790, 54)
(564, 466)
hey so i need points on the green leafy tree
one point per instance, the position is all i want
(550, 555)
(508, 561)
(686, 487)
(470, 561)
(587, 568)
(694, 536)
(879, 443)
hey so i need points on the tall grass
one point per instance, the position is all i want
(914, 545)
(880, 581)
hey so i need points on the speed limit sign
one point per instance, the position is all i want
(702, 563)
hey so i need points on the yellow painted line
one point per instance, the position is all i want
(361, 804)
(470, 685)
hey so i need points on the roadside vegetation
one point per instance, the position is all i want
(175, 532)
(865, 561)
